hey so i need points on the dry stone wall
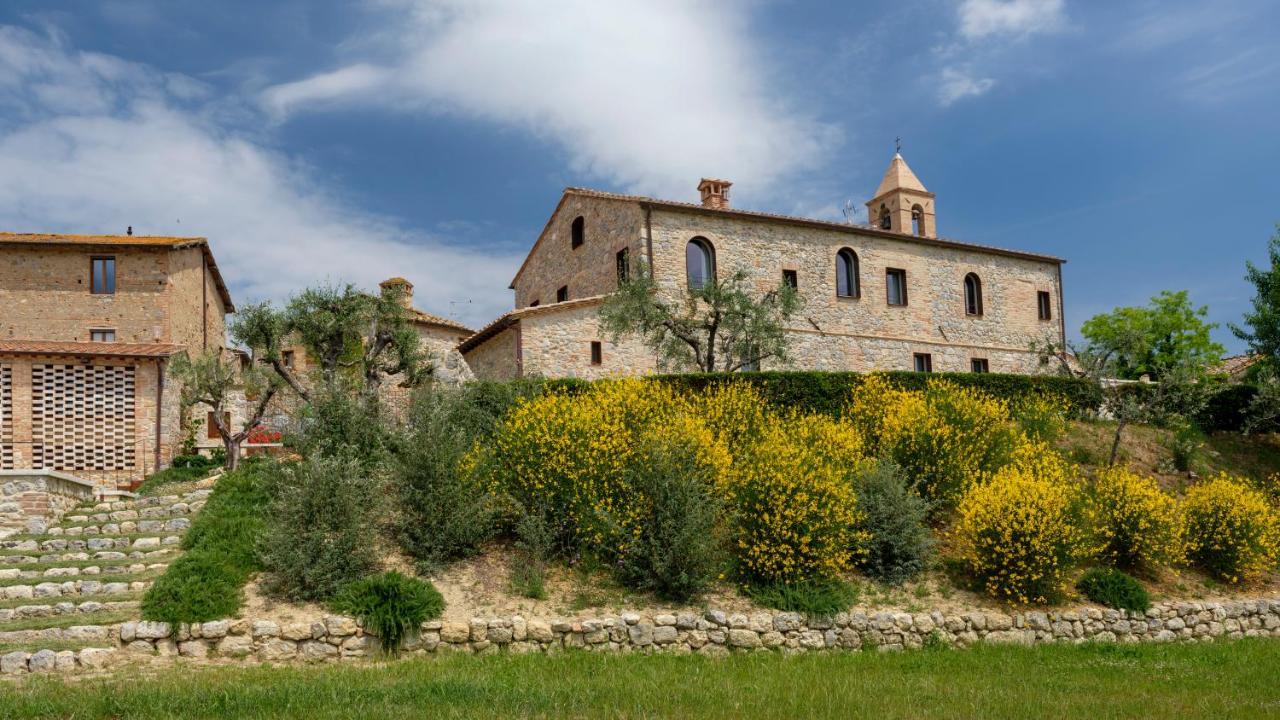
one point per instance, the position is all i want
(711, 633)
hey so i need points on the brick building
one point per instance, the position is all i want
(892, 295)
(88, 324)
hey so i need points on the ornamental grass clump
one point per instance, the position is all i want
(1231, 532)
(1135, 521)
(1114, 589)
(391, 606)
(944, 438)
(795, 516)
(1020, 536)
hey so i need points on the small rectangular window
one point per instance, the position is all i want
(534, 303)
(896, 286)
(577, 232)
(562, 294)
(1045, 309)
(286, 358)
(102, 275)
(102, 336)
(597, 353)
(624, 265)
(790, 279)
(213, 426)
(924, 362)
(979, 365)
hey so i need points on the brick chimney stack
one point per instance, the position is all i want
(401, 286)
(715, 193)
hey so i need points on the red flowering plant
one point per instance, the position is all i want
(260, 435)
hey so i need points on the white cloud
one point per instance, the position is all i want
(955, 84)
(985, 18)
(92, 143)
(649, 94)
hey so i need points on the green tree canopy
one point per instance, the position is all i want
(719, 326)
(1262, 326)
(1167, 333)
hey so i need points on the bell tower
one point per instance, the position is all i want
(902, 204)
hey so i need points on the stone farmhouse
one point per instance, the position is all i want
(88, 324)
(889, 296)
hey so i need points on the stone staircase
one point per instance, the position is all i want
(69, 583)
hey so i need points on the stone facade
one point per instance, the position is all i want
(91, 405)
(832, 332)
(712, 633)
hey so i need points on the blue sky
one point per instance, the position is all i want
(431, 138)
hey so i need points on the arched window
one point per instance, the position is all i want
(917, 221)
(848, 279)
(700, 262)
(886, 220)
(578, 231)
(972, 295)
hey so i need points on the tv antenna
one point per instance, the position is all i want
(849, 211)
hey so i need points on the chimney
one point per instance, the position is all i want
(401, 286)
(715, 193)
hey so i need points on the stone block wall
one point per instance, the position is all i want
(147, 373)
(556, 342)
(712, 632)
(591, 268)
(37, 494)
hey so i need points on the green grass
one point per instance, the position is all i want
(814, 599)
(1220, 680)
(207, 581)
(63, 621)
(162, 483)
(54, 645)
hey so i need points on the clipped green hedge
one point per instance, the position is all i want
(1227, 409)
(828, 392)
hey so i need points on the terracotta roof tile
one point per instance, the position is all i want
(428, 319)
(54, 347)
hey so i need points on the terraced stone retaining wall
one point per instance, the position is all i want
(711, 633)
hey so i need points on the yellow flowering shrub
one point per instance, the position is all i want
(1041, 416)
(565, 457)
(1231, 532)
(795, 515)
(1020, 536)
(735, 412)
(1136, 522)
(1042, 462)
(944, 438)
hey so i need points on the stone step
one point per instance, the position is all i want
(42, 661)
(108, 585)
(23, 561)
(66, 608)
(143, 502)
(76, 571)
(161, 513)
(90, 544)
(124, 527)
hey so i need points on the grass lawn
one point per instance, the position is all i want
(1220, 680)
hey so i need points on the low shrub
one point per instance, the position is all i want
(1115, 589)
(322, 533)
(391, 607)
(944, 438)
(899, 543)
(206, 582)
(675, 552)
(193, 461)
(1231, 532)
(815, 599)
(444, 510)
(567, 456)
(1186, 445)
(1042, 417)
(1136, 522)
(795, 516)
(534, 545)
(1020, 536)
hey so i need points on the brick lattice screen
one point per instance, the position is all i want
(6, 417)
(82, 417)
